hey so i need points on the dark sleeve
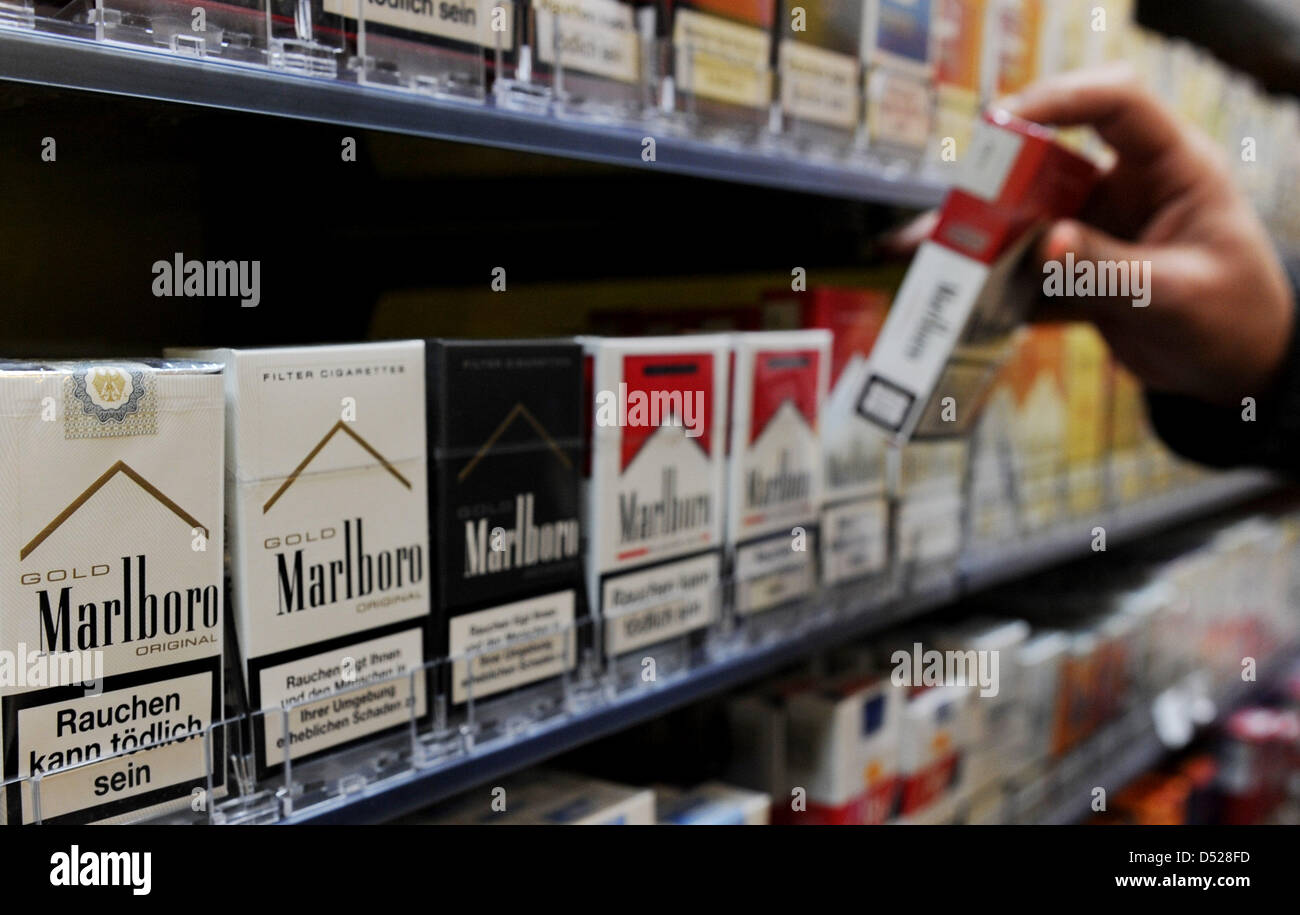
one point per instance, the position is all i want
(1221, 436)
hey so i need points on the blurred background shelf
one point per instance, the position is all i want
(1131, 746)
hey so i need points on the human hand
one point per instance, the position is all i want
(1221, 307)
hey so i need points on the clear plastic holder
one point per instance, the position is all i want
(307, 37)
(818, 102)
(576, 58)
(665, 661)
(209, 780)
(17, 14)
(233, 32)
(929, 516)
(898, 122)
(442, 52)
(714, 78)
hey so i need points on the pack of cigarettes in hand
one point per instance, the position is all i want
(949, 326)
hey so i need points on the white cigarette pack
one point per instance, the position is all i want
(843, 749)
(111, 602)
(330, 566)
(654, 496)
(779, 384)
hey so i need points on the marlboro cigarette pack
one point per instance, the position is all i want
(505, 423)
(329, 559)
(778, 388)
(948, 327)
(854, 534)
(654, 495)
(111, 602)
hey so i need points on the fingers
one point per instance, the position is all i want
(1109, 99)
(904, 241)
(1089, 275)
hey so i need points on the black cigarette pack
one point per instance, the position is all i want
(506, 446)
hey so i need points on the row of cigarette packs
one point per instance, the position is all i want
(823, 72)
(385, 505)
(943, 723)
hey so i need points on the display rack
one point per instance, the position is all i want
(76, 63)
(410, 789)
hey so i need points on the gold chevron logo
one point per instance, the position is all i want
(517, 410)
(339, 426)
(119, 467)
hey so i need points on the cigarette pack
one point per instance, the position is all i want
(1086, 403)
(948, 328)
(1041, 419)
(1128, 436)
(843, 749)
(932, 744)
(855, 517)
(819, 72)
(898, 75)
(713, 804)
(583, 55)
(715, 64)
(1016, 26)
(545, 798)
(505, 426)
(960, 51)
(994, 465)
(931, 503)
(998, 726)
(778, 388)
(654, 494)
(1038, 668)
(329, 553)
(111, 607)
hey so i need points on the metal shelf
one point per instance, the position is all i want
(75, 63)
(1073, 540)
(412, 789)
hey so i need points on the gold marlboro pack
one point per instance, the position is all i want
(110, 610)
(330, 566)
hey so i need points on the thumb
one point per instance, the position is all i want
(1088, 273)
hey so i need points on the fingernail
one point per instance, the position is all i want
(1063, 239)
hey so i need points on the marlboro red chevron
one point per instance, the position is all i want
(778, 387)
(654, 494)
